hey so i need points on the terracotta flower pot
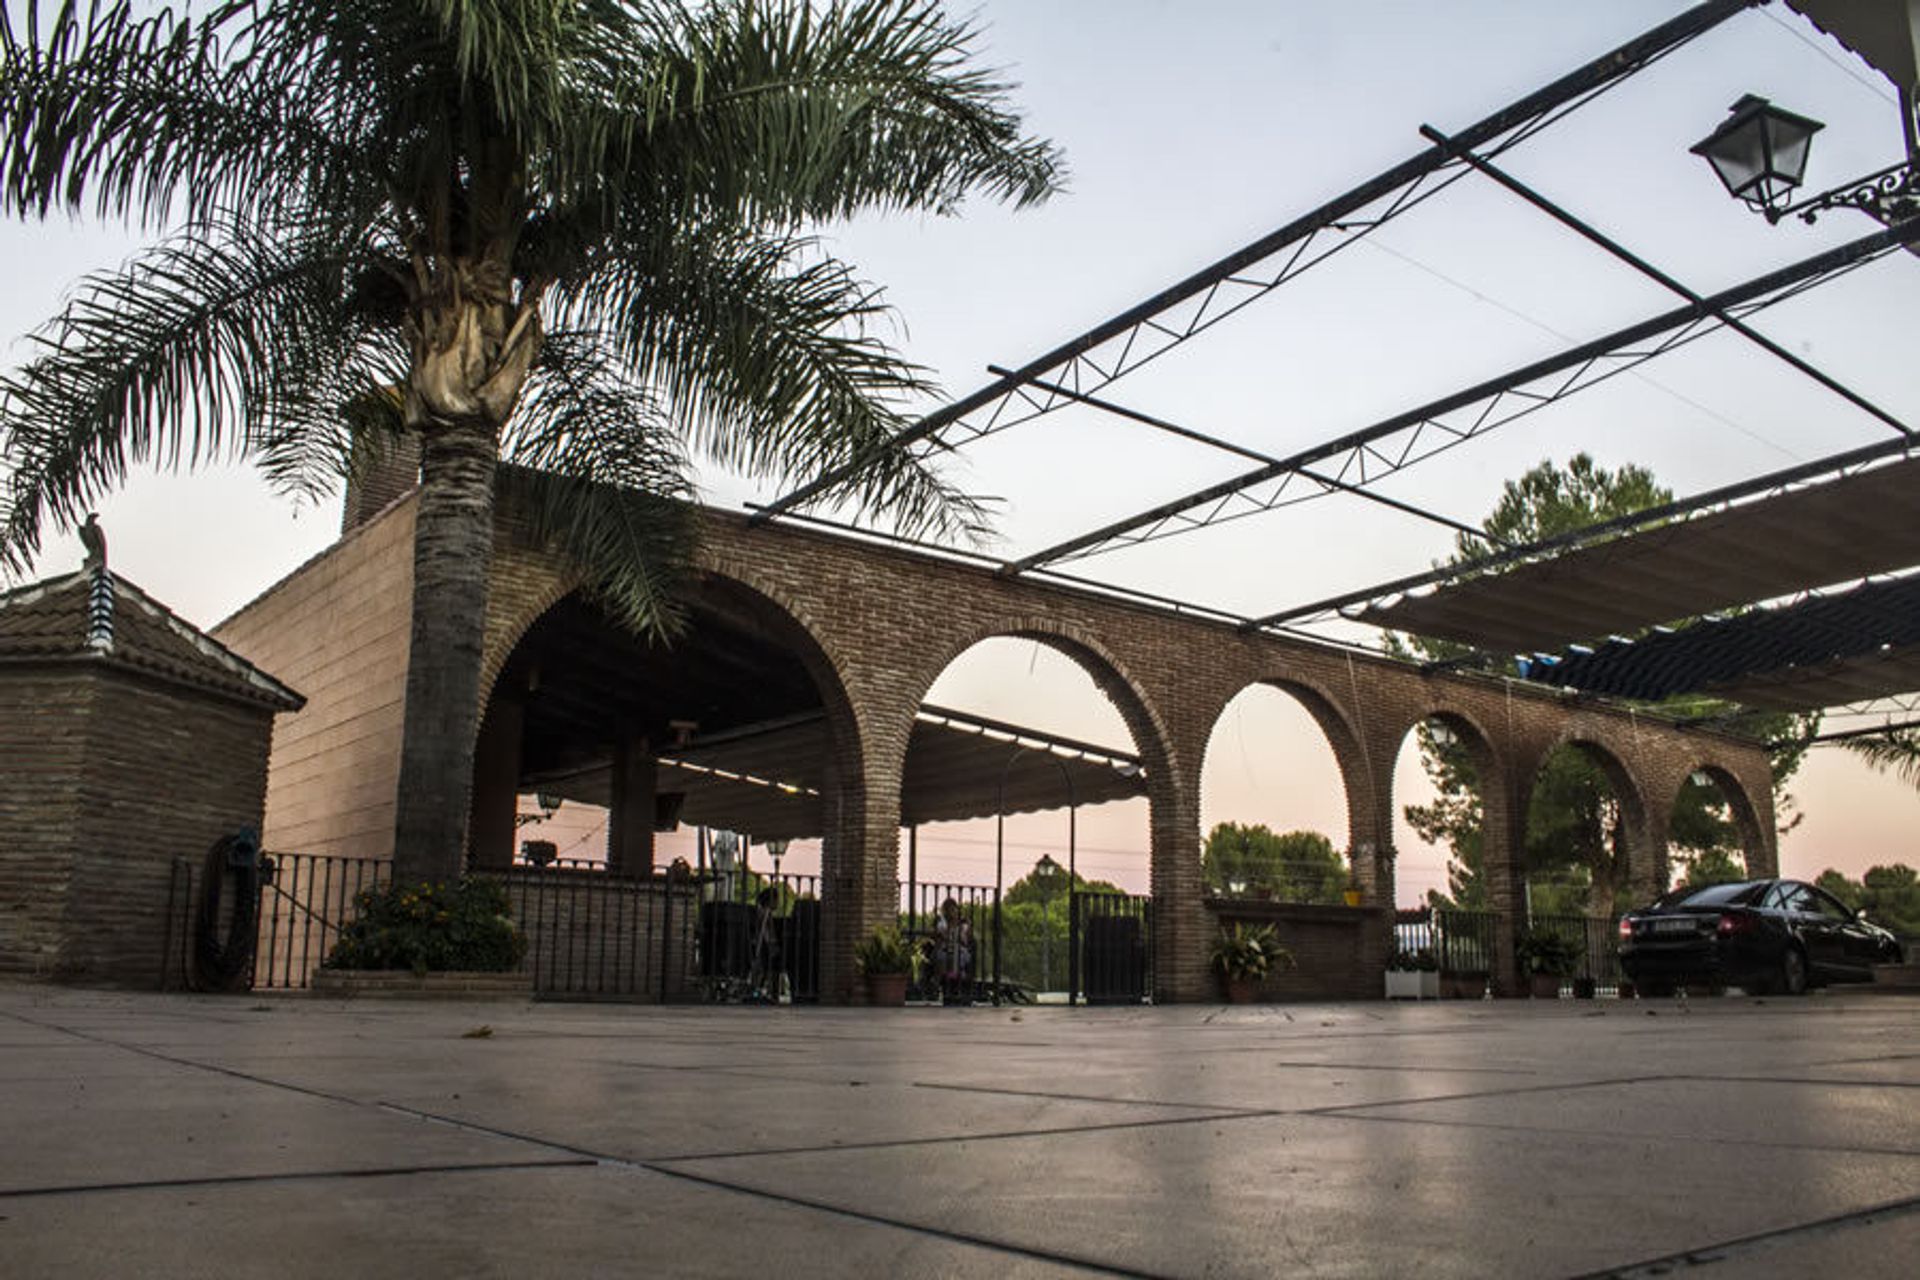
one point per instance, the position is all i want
(1241, 990)
(1544, 986)
(889, 989)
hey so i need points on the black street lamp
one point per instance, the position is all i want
(1760, 153)
(1043, 873)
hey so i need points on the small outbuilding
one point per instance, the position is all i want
(129, 742)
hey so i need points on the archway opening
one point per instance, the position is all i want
(1438, 814)
(657, 807)
(1582, 819)
(1273, 804)
(1708, 831)
(1023, 801)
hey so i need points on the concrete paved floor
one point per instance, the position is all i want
(177, 1136)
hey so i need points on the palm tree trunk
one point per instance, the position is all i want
(452, 557)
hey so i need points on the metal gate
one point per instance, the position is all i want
(1110, 948)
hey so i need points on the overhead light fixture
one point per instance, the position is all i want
(1759, 153)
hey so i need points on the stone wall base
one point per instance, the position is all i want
(401, 984)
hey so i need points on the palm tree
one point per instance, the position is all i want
(570, 234)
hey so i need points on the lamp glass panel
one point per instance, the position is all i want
(1790, 144)
(1739, 156)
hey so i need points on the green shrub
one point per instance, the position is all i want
(431, 928)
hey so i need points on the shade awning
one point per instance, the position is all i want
(767, 781)
(1837, 531)
(1858, 644)
(1886, 33)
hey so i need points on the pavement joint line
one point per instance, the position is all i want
(1473, 1095)
(882, 1144)
(1225, 1109)
(1899, 1153)
(216, 1068)
(941, 1233)
(300, 1175)
(1728, 1250)
(663, 1167)
(1824, 1082)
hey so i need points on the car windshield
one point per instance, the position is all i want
(1716, 895)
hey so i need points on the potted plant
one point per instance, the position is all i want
(886, 960)
(1353, 893)
(1243, 956)
(1413, 975)
(1546, 959)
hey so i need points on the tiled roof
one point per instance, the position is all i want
(103, 617)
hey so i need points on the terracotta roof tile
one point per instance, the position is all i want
(54, 619)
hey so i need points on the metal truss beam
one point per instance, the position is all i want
(1182, 311)
(1871, 731)
(1831, 465)
(1647, 269)
(1452, 420)
(1327, 483)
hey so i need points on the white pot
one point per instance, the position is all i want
(1413, 984)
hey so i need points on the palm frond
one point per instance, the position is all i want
(148, 117)
(604, 479)
(1896, 751)
(792, 110)
(197, 349)
(762, 349)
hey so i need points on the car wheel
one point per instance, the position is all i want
(1793, 973)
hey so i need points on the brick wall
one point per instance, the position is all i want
(1339, 953)
(43, 740)
(878, 625)
(337, 630)
(129, 773)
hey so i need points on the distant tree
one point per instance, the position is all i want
(1710, 866)
(1299, 866)
(1035, 928)
(1889, 896)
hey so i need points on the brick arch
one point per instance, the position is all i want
(1491, 754)
(1152, 740)
(1604, 750)
(1645, 851)
(539, 581)
(1754, 846)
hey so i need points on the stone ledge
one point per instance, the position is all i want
(401, 984)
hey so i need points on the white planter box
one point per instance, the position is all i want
(1415, 984)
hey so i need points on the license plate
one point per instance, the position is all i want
(1675, 926)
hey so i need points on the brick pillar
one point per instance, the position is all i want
(1503, 843)
(1183, 928)
(1647, 858)
(859, 866)
(496, 786)
(631, 809)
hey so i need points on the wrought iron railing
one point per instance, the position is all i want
(302, 910)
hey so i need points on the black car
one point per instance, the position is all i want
(1759, 935)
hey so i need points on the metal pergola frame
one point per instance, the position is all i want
(1151, 328)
